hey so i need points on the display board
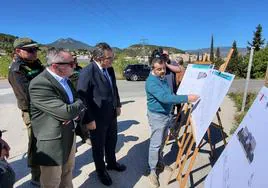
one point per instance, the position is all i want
(212, 86)
(243, 163)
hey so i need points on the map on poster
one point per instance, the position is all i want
(243, 163)
(212, 86)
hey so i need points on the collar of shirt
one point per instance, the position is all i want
(98, 65)
(158, 77)
(57, 77)
(63, 82)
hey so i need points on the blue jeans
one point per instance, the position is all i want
(159, 129)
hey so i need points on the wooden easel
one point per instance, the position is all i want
(266, 77)
(185, 145)
(187, 140)
(219, 125)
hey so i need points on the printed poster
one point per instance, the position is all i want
(244, 161)
(212, 86)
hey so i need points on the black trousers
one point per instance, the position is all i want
(104, 137)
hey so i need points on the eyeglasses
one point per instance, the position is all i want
(71, 63)
(30, 50)
(109, 58)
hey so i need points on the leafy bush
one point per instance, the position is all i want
(4, 64)
(238, 98)
(238, 65)
(120, 64)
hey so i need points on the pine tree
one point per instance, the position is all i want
(257, 41)
(218, 53)
(236, 65)
(212, 50)
(197, 59)
(235, 52)
(218, 60)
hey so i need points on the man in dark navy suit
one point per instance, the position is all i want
(97, 88)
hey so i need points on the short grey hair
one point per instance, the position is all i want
(54, 56)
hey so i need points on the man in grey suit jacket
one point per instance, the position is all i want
(54, 108)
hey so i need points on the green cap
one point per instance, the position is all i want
(24, 43)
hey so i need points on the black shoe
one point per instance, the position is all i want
(117, 167)
(104, 177)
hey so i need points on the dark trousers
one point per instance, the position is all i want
(104, 138)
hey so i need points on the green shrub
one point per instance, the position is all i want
(239, 116)
(120, 64)
(4, 64)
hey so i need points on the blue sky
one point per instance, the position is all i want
(177, 23)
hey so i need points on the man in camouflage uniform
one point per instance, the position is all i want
(23, 69)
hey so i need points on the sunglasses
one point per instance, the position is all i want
(109, 58)
(71, 64)
(30, 50)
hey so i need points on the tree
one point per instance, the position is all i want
(237, 64)
(218, 61)
(257, 41)
(218, 53)
(197, 59)
(120, 64)
(260, 62)
(212, 50)
(235, 52)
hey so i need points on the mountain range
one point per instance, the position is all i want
(138, 49)
(6, 43)
(70, 44)
(223, 51)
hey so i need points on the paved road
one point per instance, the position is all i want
(132, 144)
(128, 89)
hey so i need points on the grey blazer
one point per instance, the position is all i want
(50, 107)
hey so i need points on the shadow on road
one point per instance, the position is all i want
(124, 125)
(21, 169)
(126, 102)
(136, 161)
(216, 138)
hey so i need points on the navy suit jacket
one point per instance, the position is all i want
(95, 90)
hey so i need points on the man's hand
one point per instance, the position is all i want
(192, 98)
(118, 111)
(91, 125)
(69, 121)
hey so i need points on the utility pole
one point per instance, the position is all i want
(143, 43)
(247, 80)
